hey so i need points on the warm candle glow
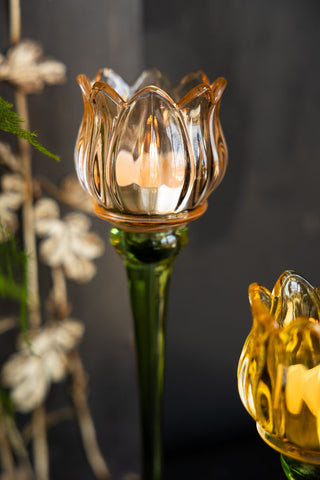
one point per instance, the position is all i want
(303, 385)
(150, 170)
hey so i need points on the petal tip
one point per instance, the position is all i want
(84, 84)
(218, 87)
(260, 300)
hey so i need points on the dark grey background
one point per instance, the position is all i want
(263, 219)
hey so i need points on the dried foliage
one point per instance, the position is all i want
(68, 243)
(47, 351)
(30, 372)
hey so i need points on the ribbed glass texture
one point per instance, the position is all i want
(279, 368)
(150, 149)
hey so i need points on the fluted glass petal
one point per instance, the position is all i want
(295, 298)
(83, 142)
(188, 83)
(106, 112)
(198, 106)
(150, 162)
(102, 108)
(111, 78)
(154, 77)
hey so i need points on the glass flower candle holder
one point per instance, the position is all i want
(279, 372)
(149, 155)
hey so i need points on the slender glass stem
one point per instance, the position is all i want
(149, 258)
(297, 470)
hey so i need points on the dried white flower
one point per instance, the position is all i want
(11, 197)
(29, 373)
(68, 243)
(24, 67)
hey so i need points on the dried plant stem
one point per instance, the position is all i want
(79, 388)
(8, 323)
(63, 197)
(15, 21)
(9, 159)
(18, 446)
(59, 286)
(40, 446)
(88, 433)
(5, 450)
(52, 419)
(59, 293)
(131, 476)
(28, 220)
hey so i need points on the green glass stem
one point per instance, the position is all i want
(297, 470)
(149, 259)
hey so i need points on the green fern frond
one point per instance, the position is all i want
(13, 277)
(6, 402)
(11, 122)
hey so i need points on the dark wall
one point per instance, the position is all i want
(263, 219)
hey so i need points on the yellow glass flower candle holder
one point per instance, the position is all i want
(279, 372)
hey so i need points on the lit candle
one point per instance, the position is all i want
(150, 183)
